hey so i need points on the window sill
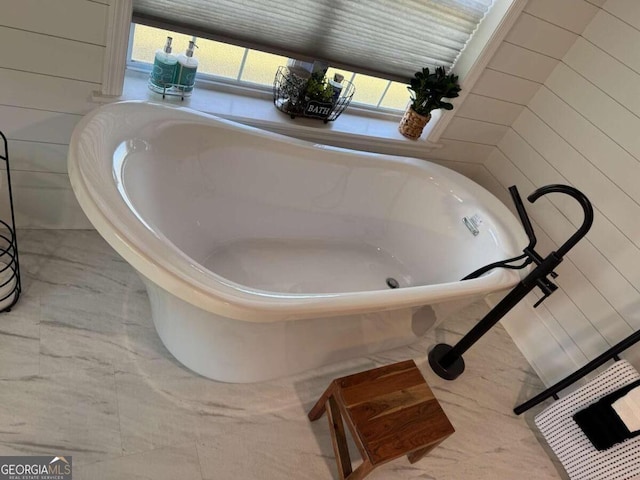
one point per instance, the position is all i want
(355, 128)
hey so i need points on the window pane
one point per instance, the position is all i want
(218, 58)
(261, 67)
(225, 60)
(369, 90)
(372, 35)
(147, 40)
(397, 97)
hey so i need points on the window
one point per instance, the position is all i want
(469, 63)
(384, 38)
(228, 63)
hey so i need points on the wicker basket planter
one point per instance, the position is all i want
(412, 124)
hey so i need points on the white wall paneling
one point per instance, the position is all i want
(35, 90)
(541, 36)
(596, 66)
(625, 10)
(503, 86)
(46, 200)
(477, 107)
(597, 152)
(573, 15)
(34, 52)
(538, 39)
(477, 53)
(74, 19)
(469, 170)
(475, 131)
(484, 177)
(549, 359)
(523, 320)
(32, 156)
(607, 282)
(523, 63)
(38, 125)
(568, 318)
(51, 65)
(613, 119)
(581, 129)
(615, 37)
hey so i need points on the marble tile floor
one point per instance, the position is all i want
(83, 373)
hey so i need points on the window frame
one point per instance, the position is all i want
(469, 65)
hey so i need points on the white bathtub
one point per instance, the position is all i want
(265, 255)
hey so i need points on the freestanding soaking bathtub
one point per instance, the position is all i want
(264, 255)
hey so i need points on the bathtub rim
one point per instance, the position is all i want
(155, 257)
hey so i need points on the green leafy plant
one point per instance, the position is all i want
(428, 89)
(318, 89)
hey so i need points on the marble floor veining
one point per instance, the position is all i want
(83, 373)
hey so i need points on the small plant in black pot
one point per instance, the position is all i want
(427, 89)
(318, 89)
(318, 95)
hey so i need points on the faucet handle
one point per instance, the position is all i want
(547, 287)
(524, 217)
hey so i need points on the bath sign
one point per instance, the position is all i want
(318, 109)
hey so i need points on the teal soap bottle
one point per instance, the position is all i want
(186, 72)
(164, 69)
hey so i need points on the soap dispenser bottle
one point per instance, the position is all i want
(187, 67)
(164, 69)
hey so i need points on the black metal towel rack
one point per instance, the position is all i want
(552, 391)
(10, 285)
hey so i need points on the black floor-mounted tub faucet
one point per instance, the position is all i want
(446, 360)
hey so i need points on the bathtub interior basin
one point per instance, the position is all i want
(298, 217)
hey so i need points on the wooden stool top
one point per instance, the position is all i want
(393, 411)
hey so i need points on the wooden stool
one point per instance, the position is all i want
(390, 412)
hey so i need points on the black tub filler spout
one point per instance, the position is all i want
(446, 360)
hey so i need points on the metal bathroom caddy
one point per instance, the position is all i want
(289, 96)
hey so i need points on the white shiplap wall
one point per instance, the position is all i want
(50, 64)
(530, 52)
(581, 128)
(539, 39)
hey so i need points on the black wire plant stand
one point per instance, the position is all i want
(10, 285)
(291, 97)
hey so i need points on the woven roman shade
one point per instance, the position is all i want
(387, 38)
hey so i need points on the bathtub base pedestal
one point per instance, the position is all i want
(446, 370)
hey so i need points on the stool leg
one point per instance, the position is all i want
(320, 406)
(418, 454)
(338, 439)
(362, 471)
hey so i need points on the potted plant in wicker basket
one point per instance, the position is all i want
(427, 93)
